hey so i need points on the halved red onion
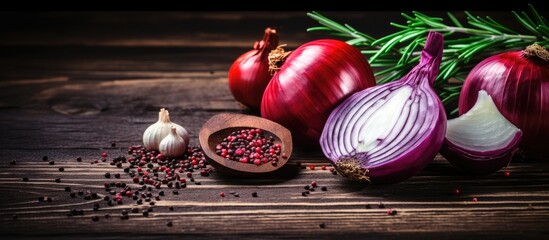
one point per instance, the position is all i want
(482, 140)
(388, 133)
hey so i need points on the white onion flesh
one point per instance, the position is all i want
(483, 128)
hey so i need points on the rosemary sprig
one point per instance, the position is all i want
(464, 46)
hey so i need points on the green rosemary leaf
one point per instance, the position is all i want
(499, 26)
(312, 29)
(484, 26)
(368, 52)
(356, 41)
(407, 52)
(470, 17)
(454, 20)
(539, 19)
(452, 69)
(399, 26)
(544, 30)
(408, 17)
(413, 35)
(429, 21)
(328, 23)
(390, 37)
(450, 97)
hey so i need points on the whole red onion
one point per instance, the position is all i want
(313, 80)
(518, 82)
(249, 74)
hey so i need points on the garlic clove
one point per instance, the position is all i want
(173, 145)
(181, 131)
(156, 132)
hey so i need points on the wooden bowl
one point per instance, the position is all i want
(221, 125)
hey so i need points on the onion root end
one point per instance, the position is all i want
(350, 168)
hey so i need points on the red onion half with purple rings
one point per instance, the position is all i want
(390, 132)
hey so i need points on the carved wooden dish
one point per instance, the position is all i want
(221, 125)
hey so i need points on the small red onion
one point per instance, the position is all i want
(313, 80)
(518, 82)
(249, 74)
(390, 132)
(480, 141)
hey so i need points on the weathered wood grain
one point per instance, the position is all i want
(71, 94)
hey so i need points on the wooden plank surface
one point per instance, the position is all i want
(73, 83)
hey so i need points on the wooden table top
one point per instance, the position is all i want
(71, 84)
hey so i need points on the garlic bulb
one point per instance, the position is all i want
(173, 145)
(159, 130)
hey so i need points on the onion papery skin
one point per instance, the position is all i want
(314, 79)
(519, 86)
(481, 127)
(389, 132)
(249, 74)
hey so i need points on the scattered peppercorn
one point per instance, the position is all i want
(322, 225)
(52, 162)
(169, 224)
(13, 162)
(254, 194)
(368, 206)
(108, 175)
(79, 159)
(323, 188)
(25, 179)
(304, 194)
(95, 218)
(381, 205)
(171, 208)
(58, 180)
(45, 158)
(175, 192)
(67, 189)
(113, 144)
(117, 175)
(391, 212)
